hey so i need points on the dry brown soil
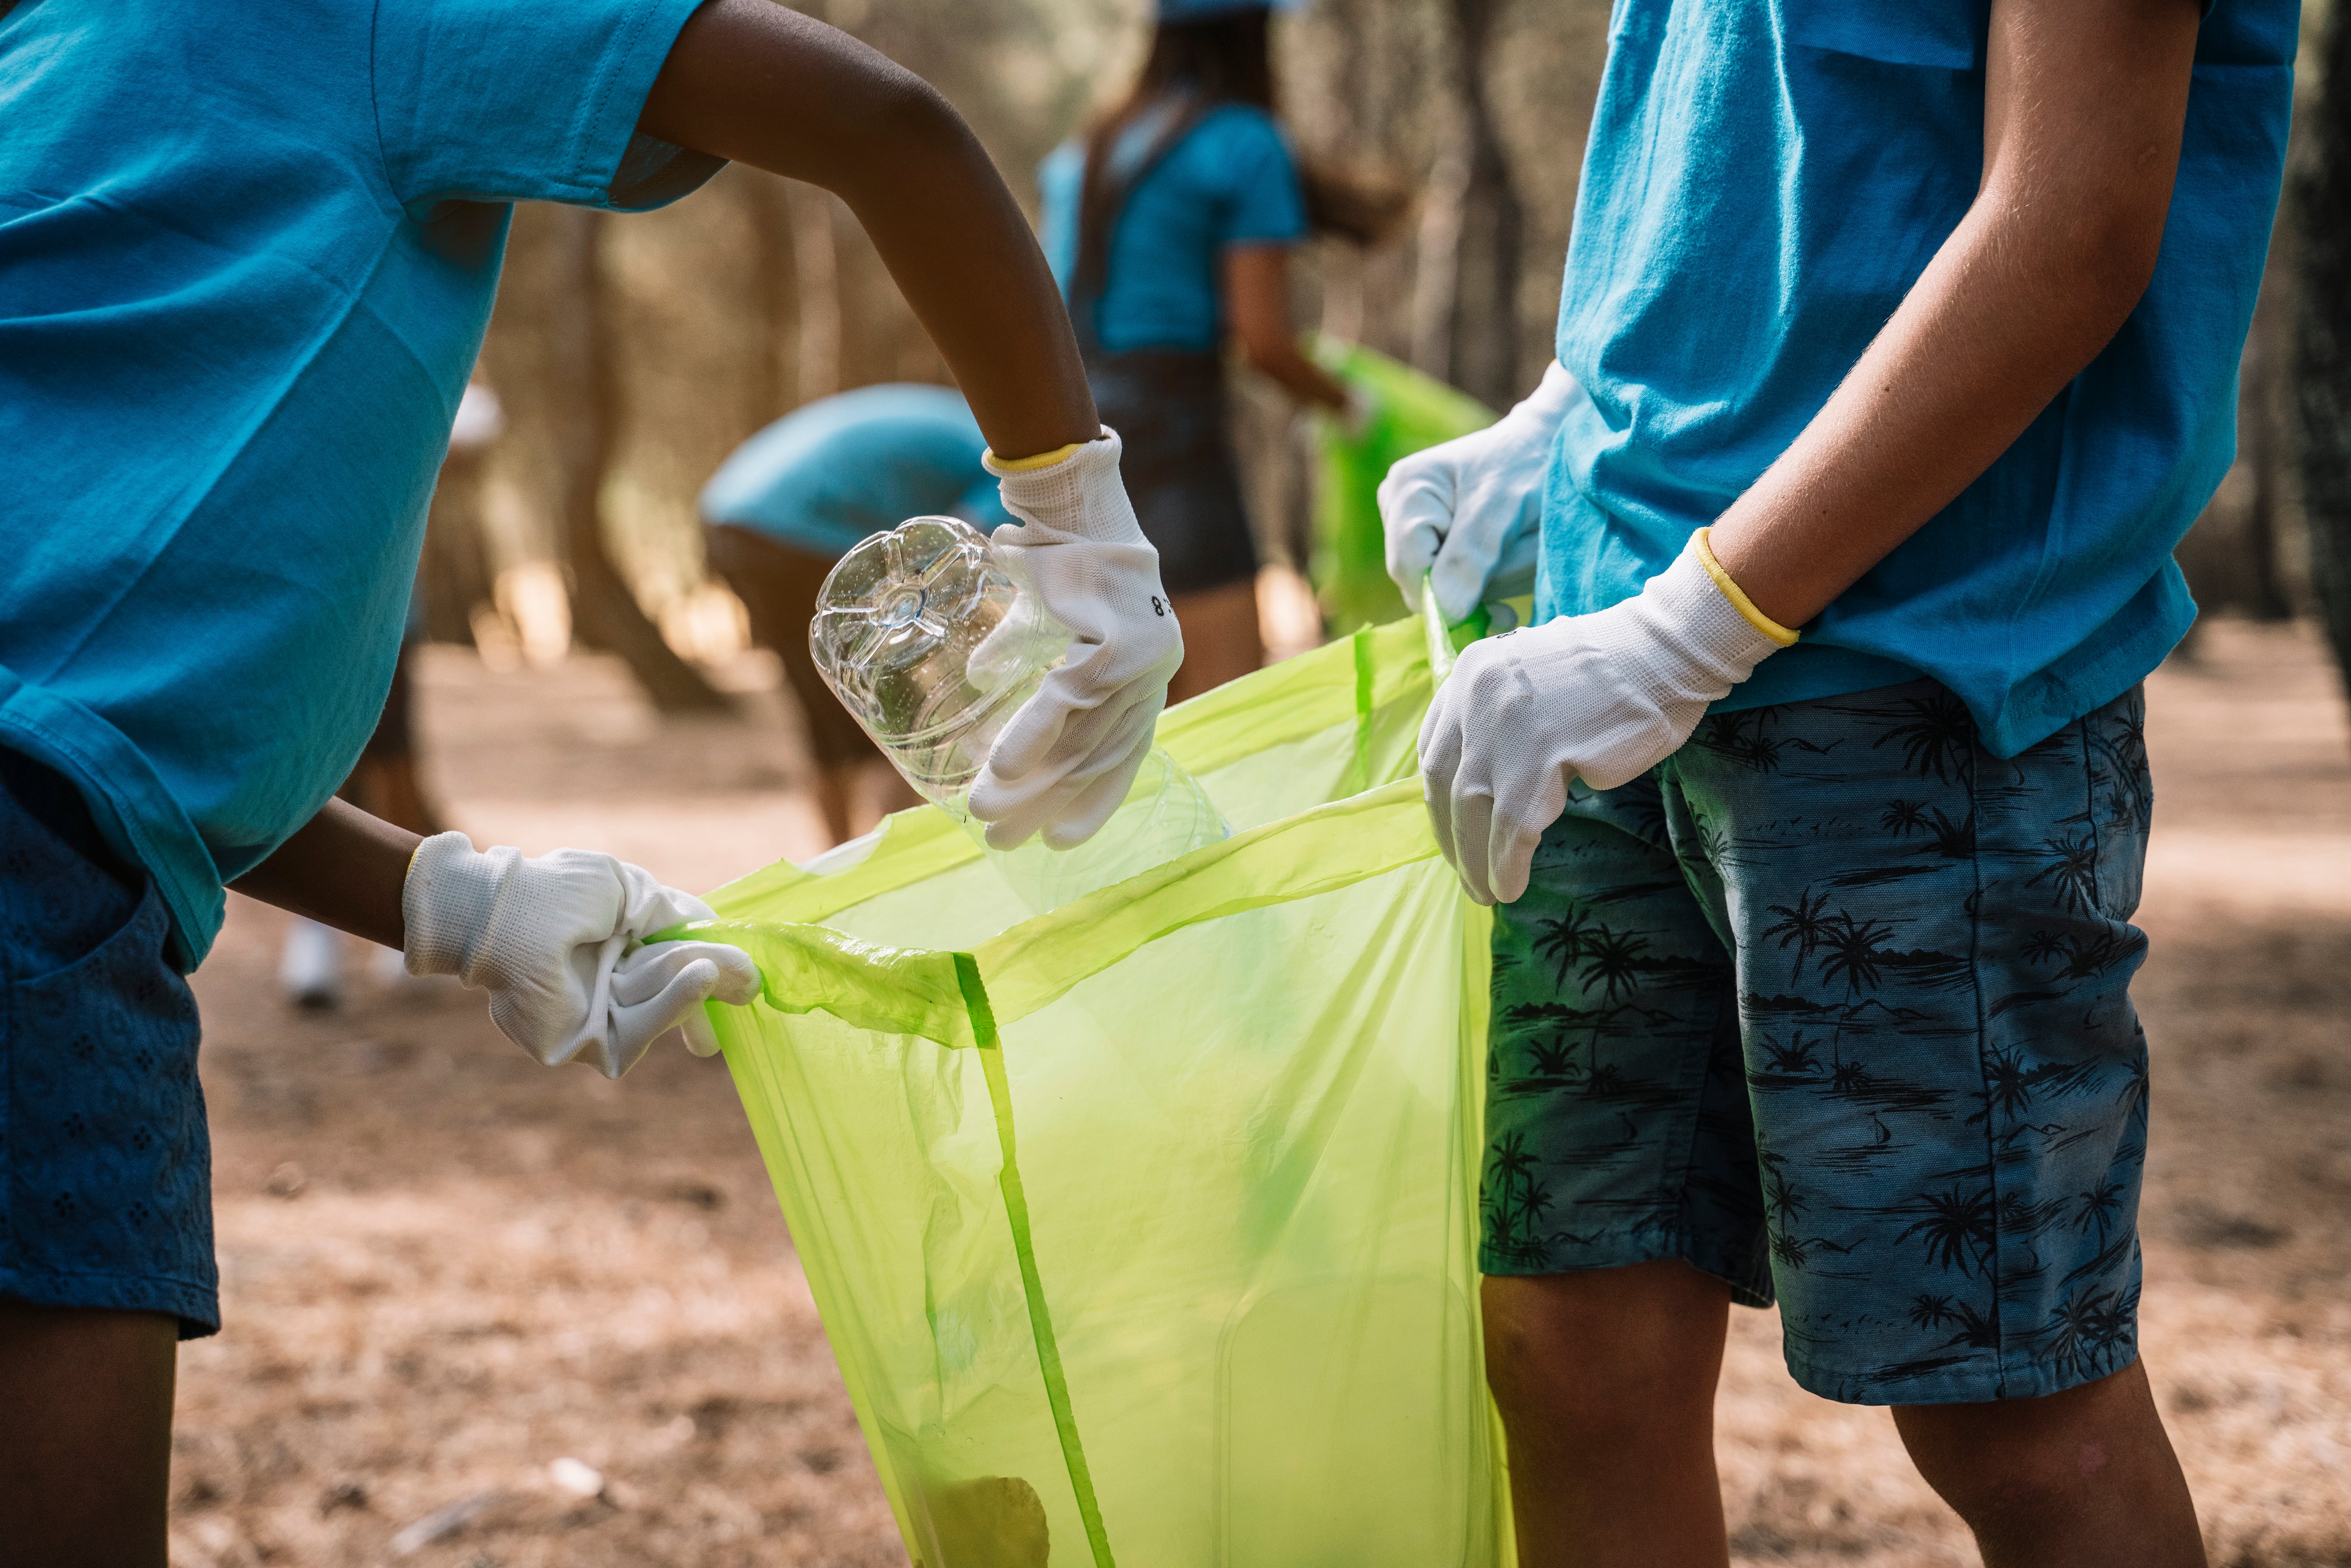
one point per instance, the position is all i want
(446, 1267)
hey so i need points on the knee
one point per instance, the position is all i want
(1576, 1360)
(2018, 1468)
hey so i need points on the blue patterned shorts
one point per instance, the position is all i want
(1833, 1005)
(105, 1164)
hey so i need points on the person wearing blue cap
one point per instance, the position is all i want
(794, 499)
(1169, 227)
(1898, 348)
(247, 254)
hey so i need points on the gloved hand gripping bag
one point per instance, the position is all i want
(1144, 1228)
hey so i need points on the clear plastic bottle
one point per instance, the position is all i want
(932, 648)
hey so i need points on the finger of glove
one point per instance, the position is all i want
(1071, 718)
(1018, 811)
(645, 972)
(1473, 829)
(1096, 803)
(1458, 579)
(1020, 642)
(1414, 517)
(647, 905)
(1510, 856)
(1440, 759)
(635, 1028)
(700, 1038)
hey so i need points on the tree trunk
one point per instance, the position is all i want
(2323, 337)
(1488, 265)
(605, 615)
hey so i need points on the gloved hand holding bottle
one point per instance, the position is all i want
(558, 941)
(1064, 762)
(1603, 698)
(1466, 511)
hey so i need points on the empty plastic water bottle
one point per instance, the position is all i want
(932, 648)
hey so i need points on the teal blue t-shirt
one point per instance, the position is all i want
(1230, 181)
(247, 257)
(1765, 180)
(831, 472)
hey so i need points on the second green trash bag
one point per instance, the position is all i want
(1143, 1230)
(1414, 410)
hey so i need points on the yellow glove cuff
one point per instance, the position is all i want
(1025, 464)
(1737, 595)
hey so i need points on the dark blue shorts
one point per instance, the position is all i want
(105, 1166)
(1833, 1005)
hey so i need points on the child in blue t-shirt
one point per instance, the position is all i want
(1897, 349)
(246, 257)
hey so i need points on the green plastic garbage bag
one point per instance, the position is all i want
(1349, 565)
(1143, 1230)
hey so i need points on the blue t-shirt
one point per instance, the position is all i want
(247, 257)
(1230, 181)
(1765, 180)
(835, 470)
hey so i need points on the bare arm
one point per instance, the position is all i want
(751, 82)
(1257, 305)
(2085, 101)
(343, 867)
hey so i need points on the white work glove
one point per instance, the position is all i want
(1604, 697)
(1065, 761)
(1468, 511)
(559, 942)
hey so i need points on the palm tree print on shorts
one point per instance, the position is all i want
(1833, 1005)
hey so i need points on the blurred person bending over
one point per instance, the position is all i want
(1898, 348)
(794, 499)
(1170, 228)
(231, 345)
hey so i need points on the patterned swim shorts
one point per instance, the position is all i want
(1833, 1005)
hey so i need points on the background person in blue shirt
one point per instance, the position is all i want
(1169, 228)
(246, 257)
(1912, 329)
(794, 499)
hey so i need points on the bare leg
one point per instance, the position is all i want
(836, 789)
(2085, 1478)
(1605, 1382)
(85, 1436)
(1221, 640)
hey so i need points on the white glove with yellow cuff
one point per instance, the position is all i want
(558, 941)
(1066, 760)
(1604, 697)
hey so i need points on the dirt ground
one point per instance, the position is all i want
(447, 1269)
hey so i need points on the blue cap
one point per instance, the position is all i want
(1202, 10)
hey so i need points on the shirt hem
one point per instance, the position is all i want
(135, 813)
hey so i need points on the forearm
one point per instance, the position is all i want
(1296, 374)
(1256, 283)
(751, 82)
(342, 867)
(2047, 265)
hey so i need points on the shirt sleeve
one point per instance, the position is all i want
(507, 101)
(1266, 205)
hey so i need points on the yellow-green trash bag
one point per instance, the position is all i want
(1350, 568)
(1144, 1230)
